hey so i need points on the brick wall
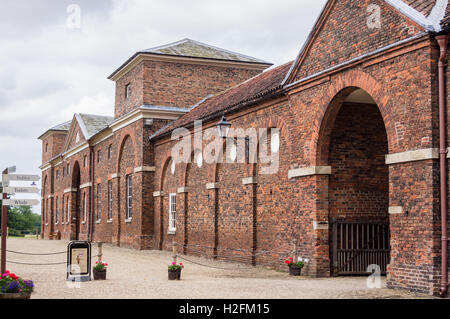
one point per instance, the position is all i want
(359, 183)
(174, 84)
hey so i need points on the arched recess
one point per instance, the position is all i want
(167, 186)
(125, 166)
(75, 221)
(354, 198)
(44, 203)
(199, 206)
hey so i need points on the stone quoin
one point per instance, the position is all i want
(357, 121)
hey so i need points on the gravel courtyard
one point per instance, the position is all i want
(143, 274)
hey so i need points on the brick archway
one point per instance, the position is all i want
(75, 201)
(340, 87)
(353, 140)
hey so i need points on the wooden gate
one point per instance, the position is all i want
(357, 245)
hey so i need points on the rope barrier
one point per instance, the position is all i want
(215, 267)
(33, 254)
(32, 264)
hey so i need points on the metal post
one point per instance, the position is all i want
(4, 230)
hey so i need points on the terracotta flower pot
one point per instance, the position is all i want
(175, 274)
(295, 270)
(19, 295)
(99, 275)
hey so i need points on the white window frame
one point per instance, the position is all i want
(46, 211)
(84, 207)
(56, 211)
(129, 186)
(68, 211)
(110, 200)
(172, 213)
(127, 90)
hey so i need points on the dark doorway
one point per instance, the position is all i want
(358, 188)
(76, 203)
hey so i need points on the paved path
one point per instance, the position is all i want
(143, 274)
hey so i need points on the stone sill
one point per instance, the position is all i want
(109, 221)
(171, 232)
(98, 221)
(128, 220)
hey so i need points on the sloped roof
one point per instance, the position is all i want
(188, 48)
(433, 15)
(258, 86)
(195, 49)
(63, 127)
(92, 124)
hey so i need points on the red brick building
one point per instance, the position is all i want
(357, 123)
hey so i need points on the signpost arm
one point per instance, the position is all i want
(4, 225)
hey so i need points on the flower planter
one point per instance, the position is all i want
(18, 295)
(175, 274)
(295, 270)
(99, 275)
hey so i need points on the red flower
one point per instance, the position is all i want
(286, 261)
(13, 276)
(291, 259)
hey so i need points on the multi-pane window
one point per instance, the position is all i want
(110, 152)
(110, 201)
(99, 156)
(68, 211)
(85, 160)
(172, 212)
(46, 211)
(99, 202)
(84, 207)
(129, 197)
(63, 215)
(56, 211)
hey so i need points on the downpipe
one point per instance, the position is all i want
(443, 41)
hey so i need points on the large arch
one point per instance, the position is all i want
(126, 161)
(342, 86)
(353, 141)
(163, 202)
(75, 221)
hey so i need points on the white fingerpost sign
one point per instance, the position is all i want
(17, 189)
(20, 202)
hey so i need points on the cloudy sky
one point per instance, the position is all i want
(54, 64)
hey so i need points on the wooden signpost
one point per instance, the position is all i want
(8, 175)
